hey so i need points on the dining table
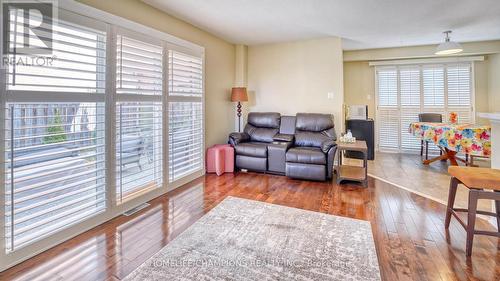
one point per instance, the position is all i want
(452, 139)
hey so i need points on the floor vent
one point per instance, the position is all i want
(136, 209)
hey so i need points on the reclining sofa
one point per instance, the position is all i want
(301, 146)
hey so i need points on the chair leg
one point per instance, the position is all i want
(451, 201)
(497, 208)
(471, 221)
(421, 147)
(426, 150)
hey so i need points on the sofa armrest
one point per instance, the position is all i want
(237, 138)
(283, 138)
(330, 157)
(327, 144)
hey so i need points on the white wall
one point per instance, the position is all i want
(296, 77)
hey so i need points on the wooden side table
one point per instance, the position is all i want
(348, 172)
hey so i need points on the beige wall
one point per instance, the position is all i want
(494, 83)
(219, 59)
(297, 77)
(359, 77)
(359, 85)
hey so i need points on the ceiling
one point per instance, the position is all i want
(363, 24)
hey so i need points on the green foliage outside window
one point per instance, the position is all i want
(55, 132)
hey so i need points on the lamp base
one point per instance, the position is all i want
(238, 110)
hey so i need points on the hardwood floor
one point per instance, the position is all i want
(409, 233)
(432, 180)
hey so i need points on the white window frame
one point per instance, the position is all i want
(112, 24)
(420, 63)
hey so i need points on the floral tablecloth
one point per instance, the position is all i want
(467, 138)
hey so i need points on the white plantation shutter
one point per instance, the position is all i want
(460, 91)
(55, 151)
(409, 78)
(388, 129)
(139, 123)
(405, 91)
(387, 87)
(139, 67)
(434, 91)
(89, 126)
(185, 110)
(79, 63)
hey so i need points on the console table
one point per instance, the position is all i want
(349, 172)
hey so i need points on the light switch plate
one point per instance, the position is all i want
(330, 95)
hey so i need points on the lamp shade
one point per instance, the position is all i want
(239, 94)
(448, 48)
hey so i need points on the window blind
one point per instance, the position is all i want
(138, 147)
(54, 151)
(185, 111)
(54, 168)
(139, 67)
(387, 87)
(433, 81)
(409, 78)
(459, 91)
(407, 90)
(77, 65)
(388, 112)
(139, 124)
(57, 145)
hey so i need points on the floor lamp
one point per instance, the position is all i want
(239, 94)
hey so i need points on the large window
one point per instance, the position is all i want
(405, 91)
(54, 151)
(116, 115)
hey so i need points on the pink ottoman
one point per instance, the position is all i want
(220, 159)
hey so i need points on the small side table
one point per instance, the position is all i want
(348, 172)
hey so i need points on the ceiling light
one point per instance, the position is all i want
(448, 47)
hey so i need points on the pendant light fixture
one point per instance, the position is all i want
(448, 47)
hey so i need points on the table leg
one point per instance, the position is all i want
(451, 156)
(438, 158)
(448, 155)
(365, 160)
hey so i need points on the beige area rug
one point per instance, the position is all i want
(249, 240)
(432, 181)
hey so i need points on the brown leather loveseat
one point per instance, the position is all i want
(301, 146)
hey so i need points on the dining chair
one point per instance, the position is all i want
(428, 117)
(482, 184)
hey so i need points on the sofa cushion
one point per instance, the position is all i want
(314, 139)
(253, 149)
(258, 134)
(306, 155)
(287, 125)
(264, 119)
(314, 122)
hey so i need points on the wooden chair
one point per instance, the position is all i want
(428, 117)
(483, 183)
